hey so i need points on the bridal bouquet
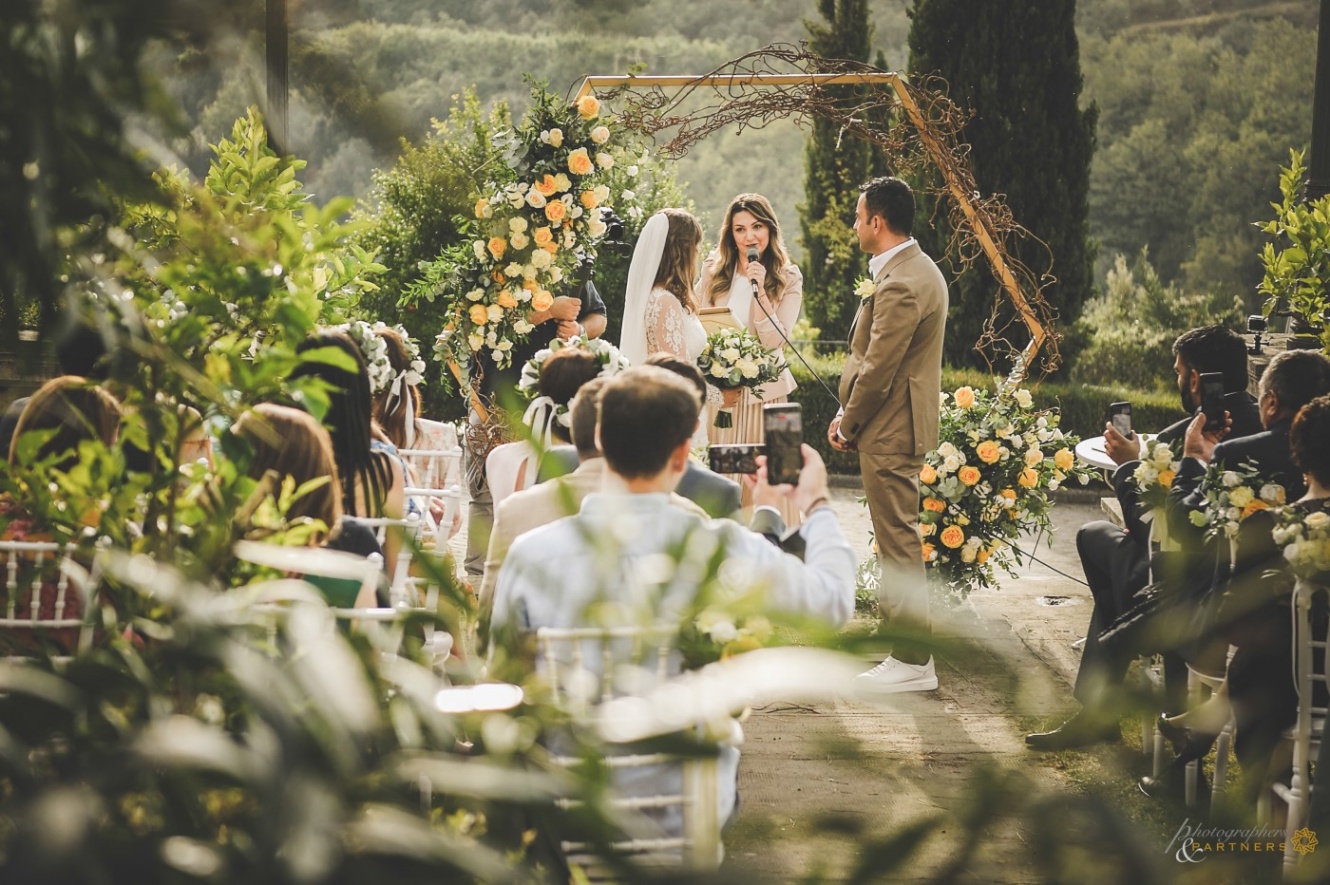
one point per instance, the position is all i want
(736, 359)
(1233, 495)
(1305, 539)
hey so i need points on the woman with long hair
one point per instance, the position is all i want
(371, 477)
(763, 295)
(287, 442)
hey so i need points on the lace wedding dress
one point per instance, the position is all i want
(671, 329)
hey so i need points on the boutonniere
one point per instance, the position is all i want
(865, 288)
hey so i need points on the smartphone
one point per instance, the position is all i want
(783, 429)
(1212, 400)
(1119, 416)
(734, 458)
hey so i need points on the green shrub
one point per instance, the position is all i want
(1083, 406)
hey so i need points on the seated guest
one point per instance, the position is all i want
(556, 575)
(718, 495)
(1251, 612)
(531, 508)
(514, 466)
(285, 443)
(72, 410)
(1116, 561)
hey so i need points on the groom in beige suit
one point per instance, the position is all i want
(889, 414)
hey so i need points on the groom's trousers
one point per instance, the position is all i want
(891, 484)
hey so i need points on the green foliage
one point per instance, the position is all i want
(1131, 327)
(1191, 121)
(1297, 270)
(1030, 141)
(69, 75)
(834, 167)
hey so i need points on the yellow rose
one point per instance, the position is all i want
(982, 556)
(988, 451)
(952, 536)
(928, 475)
(555, 210)
(1028, 478)
(965, 397)
(589, 199)
(551, 247)
(969, 475)
(497, 245)
(1063, 459)
(506, 300)
(930, 552)
(546, 185)
(542, 300)
(483, 209)
(479, 315)
(588, 107)
(542, 235)
(579, 163)
(1166, 478)
(1008, 494)
(936, 505)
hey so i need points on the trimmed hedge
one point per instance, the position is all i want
(1083, 406)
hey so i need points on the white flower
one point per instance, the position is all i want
(1023, 398)
(1230, 479)
(628, 194)
(519, 241)
(632, 171)
(479, 248)
(522, 327)
(1273, 493)
(1292, 551)
(596, 228)
(504, 345)
(556, 274)
(562, 182)
(723, 631)
(1053, 485)
(604, 160)
(717, 370)
(1317, 521)
(535, 199)
(529, 272)
(552, 137)
(730, 354)
(475, 295)
(1033, 457)
(540, 259)
(475, 342)
(946, 449)
(1041, 423)
(517, 224)
(495, 313)
(600, 134)
(747, 368)
(1162, 453)
(513, 270)
(602, 193)
(951, 463)
(515, 199)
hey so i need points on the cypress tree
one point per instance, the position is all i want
(834, 167)
(1017, 66)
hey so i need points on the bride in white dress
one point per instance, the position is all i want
(660, 307)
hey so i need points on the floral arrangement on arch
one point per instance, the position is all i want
(1233, 495)
(1305, 540)
(987, 482)
(535, 223)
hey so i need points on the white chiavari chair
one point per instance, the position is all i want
(48, 596)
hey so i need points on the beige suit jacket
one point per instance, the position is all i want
(893, 374)
(541, 505)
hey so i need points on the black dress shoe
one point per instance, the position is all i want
(1078, 731)
(1185, 741)
(1172, 781)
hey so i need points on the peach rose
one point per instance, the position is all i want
(555, 210)
(542, 235)
(1063, 459)
(507, 300)
(1255, 505)
(969, 475)
(928, 475)
(988, 451)
(542, 300)
(1028, 478)
(589, 199)
(497, 245)
(483, 208)
(546, 185)
(579, 163)
(497, 276)
(935, 505)
(479, 315)
(930, 552)
(926, 529)
(952, 536)
(965, 397)
(588, 107)
(551, 247)
(981, 556)
(1166, 478)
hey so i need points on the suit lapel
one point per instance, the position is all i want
(896, 261)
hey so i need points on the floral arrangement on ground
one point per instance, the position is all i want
(987, 484)
(536, 223)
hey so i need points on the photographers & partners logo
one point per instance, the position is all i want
(1196, 843)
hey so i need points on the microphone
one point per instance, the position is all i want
(753, 255)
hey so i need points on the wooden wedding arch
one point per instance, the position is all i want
(917, 127)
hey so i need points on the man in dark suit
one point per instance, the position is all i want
(1117, 561)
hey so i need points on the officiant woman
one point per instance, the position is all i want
(764, 296)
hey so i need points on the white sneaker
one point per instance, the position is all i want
(892, 676)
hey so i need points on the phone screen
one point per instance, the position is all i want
(783, 426)
(1212, 400)
(1119, 416)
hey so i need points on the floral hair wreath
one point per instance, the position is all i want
(611, 361)
(414, 373)
(375, 351)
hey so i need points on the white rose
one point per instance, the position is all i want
(968, 553)
(495, 313)
(513, 270)
(717, 370)
(1053, 485)
(554, 137)
(1317, 521)
(517, 224)
(575, 212)
(479, 247)
(515, 199)
(519, 241)
(596, 227)
(729, 354)
(528, 272)
(946, 449)
(600, 134)
(602, 193)
(1272, 493)
(522, 327)
(1033, 457)
(1163, 453)
(1292, 551)
(723, 631)
(475, 342)
(475, 295)
(540, 259)
(632, 171)
(747, 368)
(535, 199)
(1230, 479)
(1023, 398)
(1041, 423)
(556, 274)
(562, 182)
(629, 195)
(604, 160)
(951, 463)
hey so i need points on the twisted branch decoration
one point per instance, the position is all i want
(914, 124)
